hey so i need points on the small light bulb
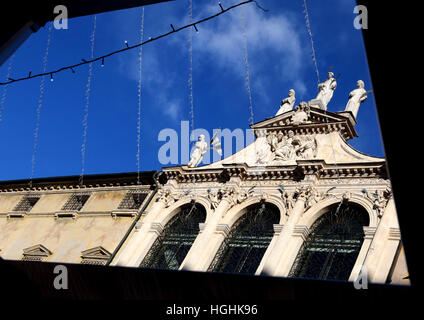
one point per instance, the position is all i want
(51, 77)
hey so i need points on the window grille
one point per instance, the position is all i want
(243, 249)
(76, 202)
(133, 199)
(333, 245)
(27, 203)
(176, 239)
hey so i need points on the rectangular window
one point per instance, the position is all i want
(133, 199)
(27, 203)
(76, 202)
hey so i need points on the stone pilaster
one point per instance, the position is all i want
(276, 264)
(384, 246)
(130, 251)
(205, 246)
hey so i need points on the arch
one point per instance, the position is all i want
(167, 214)
(333, 244)
(239, 210)
(316, 211)
(175, 240)
(248, 240)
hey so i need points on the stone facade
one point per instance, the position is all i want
(300, 163)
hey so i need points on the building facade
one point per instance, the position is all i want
(297, 202)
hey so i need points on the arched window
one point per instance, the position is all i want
(333, 245)
(171, 247)
(243, 249)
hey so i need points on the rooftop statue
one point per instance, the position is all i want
(356, 97)
(326, 90)
(287, 103)
(201, 148)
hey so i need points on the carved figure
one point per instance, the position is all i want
(214, 198)
(201, 148)
(301, 115)
(356, 97)
(287, 103)
(326, 90)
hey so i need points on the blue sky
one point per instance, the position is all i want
(279, 59)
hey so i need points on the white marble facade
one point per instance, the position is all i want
(306, 141)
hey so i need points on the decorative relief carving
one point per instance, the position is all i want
(288, 200)
(232, 195)
(315, 196)
(166, 197)
(277, 147)
(302, 114)
(379, 198)
(214, 198)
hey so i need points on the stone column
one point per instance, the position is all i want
(205, 246)
(276, 264)
(384, 246)
(136, 242)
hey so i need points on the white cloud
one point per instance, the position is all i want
(270, 37)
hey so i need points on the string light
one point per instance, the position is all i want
(190, 74)
(40, 104)
(3, 97)
(11, 80)
(140, 69)
(308, 26)
(87, 102)
(246, 61)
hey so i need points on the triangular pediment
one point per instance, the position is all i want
(37, 250)
(96, 253)
(307, 119)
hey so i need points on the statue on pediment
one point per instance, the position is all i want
(287, 103)
(301, 115)
(356, 97)
(326, 90)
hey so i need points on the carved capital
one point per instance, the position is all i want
(277, 229)
(223, 229)
(157, 228)
(301, 231)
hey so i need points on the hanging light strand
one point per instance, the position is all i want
(4, 94)
(127, 47)
(140, 69)
(246, 62)
(308, 26)
(190, 74)
(87, 103)
(40, 104)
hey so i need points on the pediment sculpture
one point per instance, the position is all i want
(280, 147)
(301, 114)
